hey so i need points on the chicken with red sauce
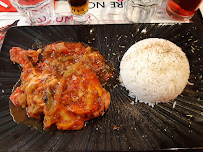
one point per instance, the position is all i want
(65, 86)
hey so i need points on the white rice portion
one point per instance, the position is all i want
(154, 70)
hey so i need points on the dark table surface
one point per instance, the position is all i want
(198, 20)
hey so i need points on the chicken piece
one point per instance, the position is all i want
(82, 98)
(67, 49)
(85, 89)
(26, 58)
(63, 86)
(65, 120)
(19, 98)
(96, 62)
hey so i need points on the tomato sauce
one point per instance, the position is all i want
(65, 86)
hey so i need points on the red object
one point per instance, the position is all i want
(184, 7)
(9, 9)
(115, 128)
(29, 2)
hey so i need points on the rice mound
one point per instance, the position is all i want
(154, 70)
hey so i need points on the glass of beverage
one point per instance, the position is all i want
(79, 8)
(141, 11)
(37, 12)
(182, 9)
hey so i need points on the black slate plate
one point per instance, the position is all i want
(124, 126)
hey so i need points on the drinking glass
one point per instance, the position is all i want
(37, 12)
(141, 11)
(79, 8)
(182, 9)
